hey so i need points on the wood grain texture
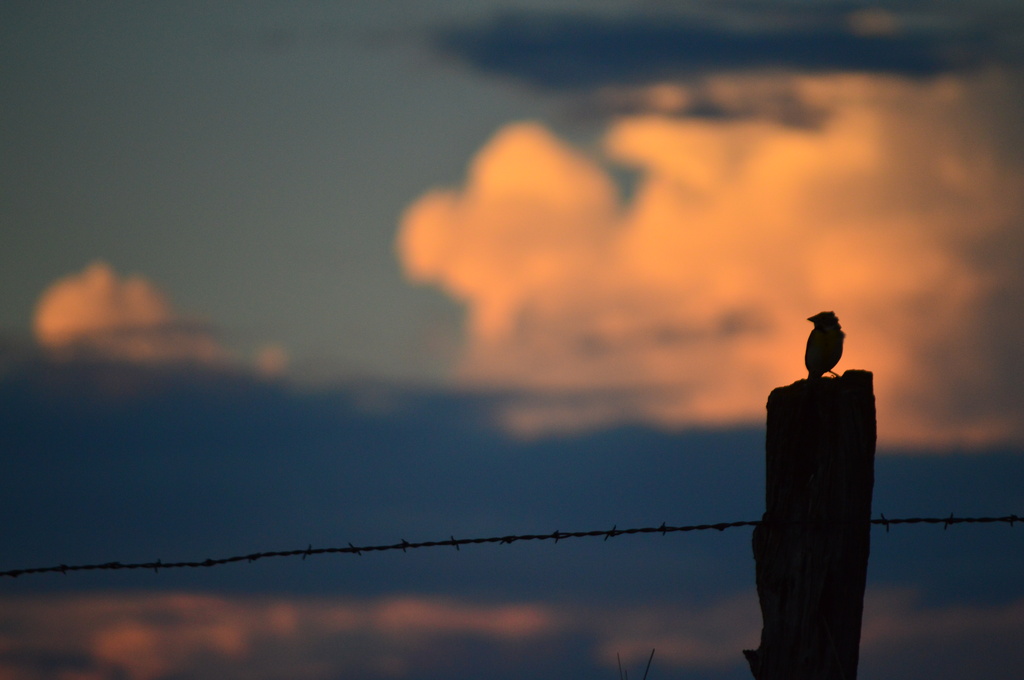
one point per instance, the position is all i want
(811, 555)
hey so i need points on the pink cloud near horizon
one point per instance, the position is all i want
(147, 636)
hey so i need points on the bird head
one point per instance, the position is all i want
(824, 320)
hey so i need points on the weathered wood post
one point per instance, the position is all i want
(811, 553)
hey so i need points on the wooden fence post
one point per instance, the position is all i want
(811, 553)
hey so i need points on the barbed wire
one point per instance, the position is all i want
(451, 541)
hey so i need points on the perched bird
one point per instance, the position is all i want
(824, 346)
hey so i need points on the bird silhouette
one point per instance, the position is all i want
(824, 345)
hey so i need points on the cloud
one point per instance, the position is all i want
(149, 636)
(272, 361)
(144, 636)
(582, 51)
(695, 637)
(534, 218)
(97, 313)
(901, 637)
(685, 304)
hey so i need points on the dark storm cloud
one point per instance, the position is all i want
(562, 51)
(119, 462)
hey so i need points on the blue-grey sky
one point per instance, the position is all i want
(279, 274)
(252, 162)
(322, 189)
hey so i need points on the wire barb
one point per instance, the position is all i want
(556, 536)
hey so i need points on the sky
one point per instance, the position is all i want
(301, 273)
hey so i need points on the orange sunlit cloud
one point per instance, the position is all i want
(98, 313)
(685, 304)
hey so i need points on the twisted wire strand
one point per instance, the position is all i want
(451, 541)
